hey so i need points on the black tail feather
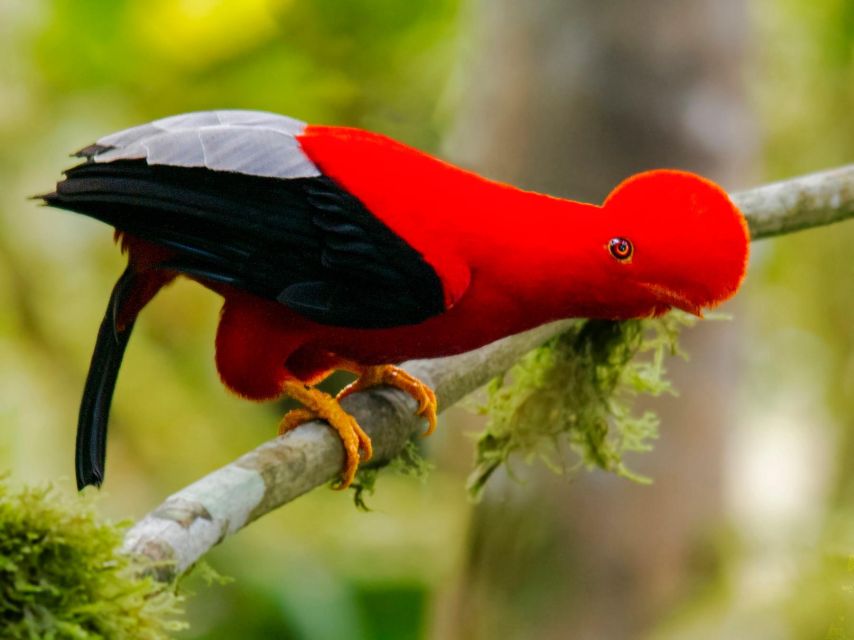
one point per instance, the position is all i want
(110, 347)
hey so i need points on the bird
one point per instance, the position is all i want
(336, 248)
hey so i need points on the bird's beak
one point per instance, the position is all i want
(674, 299)
(694, 310)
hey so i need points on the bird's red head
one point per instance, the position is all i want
(672, 239)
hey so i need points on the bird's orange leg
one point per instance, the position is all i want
(396, 377)
(318, 404)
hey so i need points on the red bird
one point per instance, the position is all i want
(336, 248)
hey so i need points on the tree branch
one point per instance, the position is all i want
(193, 520)
(812, 200)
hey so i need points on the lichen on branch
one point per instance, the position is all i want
(576, 393)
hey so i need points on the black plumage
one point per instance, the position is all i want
(305, 242)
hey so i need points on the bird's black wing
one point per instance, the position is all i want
(301, 240)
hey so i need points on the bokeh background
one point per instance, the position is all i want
(748, 529)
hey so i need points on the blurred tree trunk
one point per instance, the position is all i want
(569, 97)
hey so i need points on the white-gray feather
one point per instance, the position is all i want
(248, 142)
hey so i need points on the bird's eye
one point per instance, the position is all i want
(620, 248)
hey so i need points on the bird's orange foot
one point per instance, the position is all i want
(319, 405)
(400, 379)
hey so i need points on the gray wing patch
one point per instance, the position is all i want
(249, 142)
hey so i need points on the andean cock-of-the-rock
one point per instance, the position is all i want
(337, 248)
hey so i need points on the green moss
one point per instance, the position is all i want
(408, 462)
(576, 392)
(61, 575)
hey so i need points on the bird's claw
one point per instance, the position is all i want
(427, 406)
(357, 444)
(399, 379)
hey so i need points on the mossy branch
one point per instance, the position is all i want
(61, 575)
(182, 529)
